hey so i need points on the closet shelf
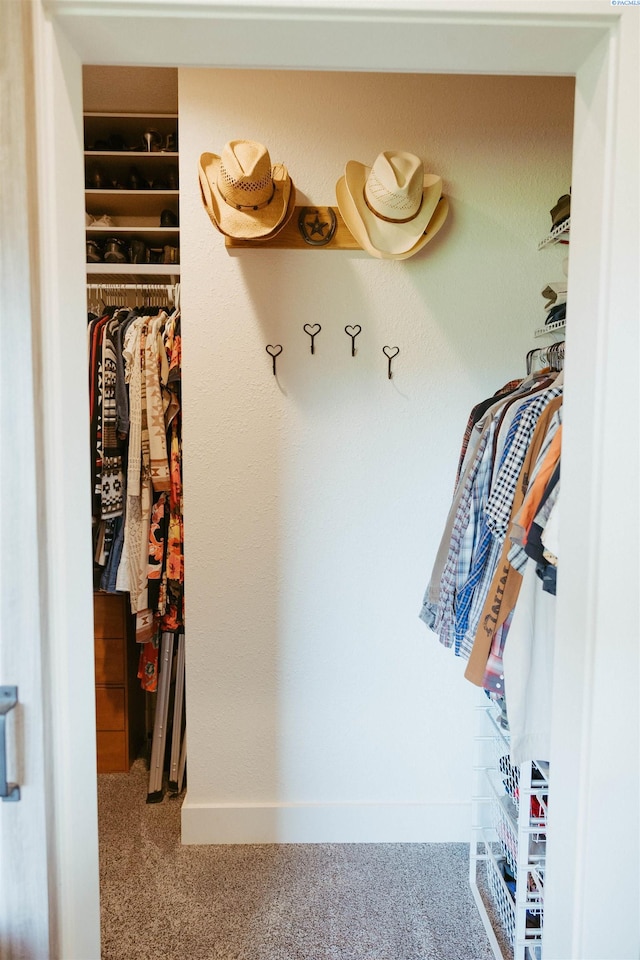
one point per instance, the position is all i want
(134, 272)
(559, 234)
(132, 154)
(131, 203)
(132, 193)
(153, 235)
(131, 116)
(130, 126)
(551, 328)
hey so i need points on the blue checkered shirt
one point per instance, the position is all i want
(485, 560)
(440, 616)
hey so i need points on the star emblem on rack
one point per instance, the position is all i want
(317, 225)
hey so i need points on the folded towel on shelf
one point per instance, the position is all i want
(555, 292)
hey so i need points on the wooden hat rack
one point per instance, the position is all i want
(237, 189)
(320, 227)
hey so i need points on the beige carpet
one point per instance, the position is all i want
(163, 901)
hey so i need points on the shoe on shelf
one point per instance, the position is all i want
(139, 252)
(115, 251)
(170, 145)
(136, 181)
(116, 142)
(153, 140)
(168, 219)
(94, 252)
(170, 254)
(96, 179)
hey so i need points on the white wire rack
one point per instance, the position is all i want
(559, 234)
(507, 863)
(558, 326)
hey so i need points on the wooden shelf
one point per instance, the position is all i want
(291, 238)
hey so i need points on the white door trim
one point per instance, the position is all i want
(65, 530)
(25, 826)
(596, 642)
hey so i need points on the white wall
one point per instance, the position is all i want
(319, 706)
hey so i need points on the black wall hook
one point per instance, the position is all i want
(274, 351)
(353, 333)
(390, 353)
(312, 329)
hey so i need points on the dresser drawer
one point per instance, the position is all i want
(109, 659)
(110, 708)
(108, 615)
(120, 705)
(112, 752)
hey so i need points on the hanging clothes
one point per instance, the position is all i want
(507, 489)
(136, 469)
(503, 591)
(480, 513)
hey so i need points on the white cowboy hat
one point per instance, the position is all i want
(388, 207)
(437, 220)
(244, 197)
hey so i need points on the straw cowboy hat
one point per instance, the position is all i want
(392, 208)
(244, 196)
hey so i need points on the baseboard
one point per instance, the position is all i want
(325, 823)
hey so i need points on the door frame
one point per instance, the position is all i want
(595, 676)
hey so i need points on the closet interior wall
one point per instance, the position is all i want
(319, 708)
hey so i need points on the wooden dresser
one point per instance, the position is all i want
(119, 698)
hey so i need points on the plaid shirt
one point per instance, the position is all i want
(476, 413)
(440, 616)
(499, 505)
(484, 508)
(471, 595)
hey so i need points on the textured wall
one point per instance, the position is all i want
(315, 501)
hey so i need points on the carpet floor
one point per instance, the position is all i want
(357, 901)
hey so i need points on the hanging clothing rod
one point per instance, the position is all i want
(553, 356)
(111, 291)
(132, 286)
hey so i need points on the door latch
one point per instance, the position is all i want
(8, 700)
